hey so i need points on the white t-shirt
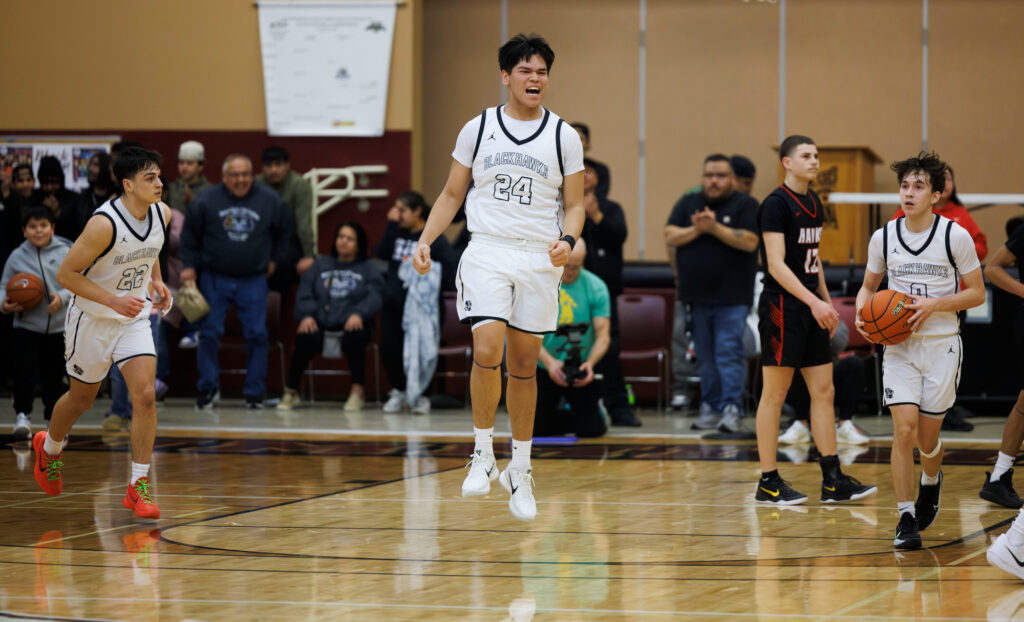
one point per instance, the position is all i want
(517, 174)
(918, 265)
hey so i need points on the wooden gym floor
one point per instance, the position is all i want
(307, 523)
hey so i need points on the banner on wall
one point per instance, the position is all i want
(325, 67)
(74, 155)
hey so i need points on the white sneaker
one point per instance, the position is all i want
(422, 406)
(849, 434)
(289, 400)
(483, 470)
(796, 434)
(1001, 556)
(519, 484)
(22, 427)
(395, 400)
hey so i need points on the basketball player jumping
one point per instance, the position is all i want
(525, 211)
(924, 255)
(796, 320)
(112, 269)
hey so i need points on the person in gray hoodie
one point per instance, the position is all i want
(339, 292)
(38, 335)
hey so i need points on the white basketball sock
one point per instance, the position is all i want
(929, 480)
(903, 507)
(1003, 464)
(484, 439)
(139, 470)
(521, 454)
(52, 447)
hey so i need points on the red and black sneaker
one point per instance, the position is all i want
(47, 468)
(140, 499)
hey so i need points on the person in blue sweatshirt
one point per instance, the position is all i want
(340, 292)
(38, 335)
(234, 234)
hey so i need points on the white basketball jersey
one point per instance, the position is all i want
(925, 264)
(517, 183)
(124, 267)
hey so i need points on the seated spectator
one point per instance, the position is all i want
(58, 199)
(38, 335)
(233, 234)
(298, 195)
(406, 220)
(101, 188)
(569, 405)
(190, 182)
(340, 292)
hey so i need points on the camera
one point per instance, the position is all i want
(573, 349)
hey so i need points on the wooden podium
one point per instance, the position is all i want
(846, 229)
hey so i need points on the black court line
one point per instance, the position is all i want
(28, 616)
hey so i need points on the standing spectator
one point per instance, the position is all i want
(406, 220)
(715, 235)
(101, 187)
(58, 199)
(604, 176)
(605, 232)
(190, 182)
(22, 196)
(743, 173)
(38, 334)
(340, 292)
(298, 195)
(233, 234)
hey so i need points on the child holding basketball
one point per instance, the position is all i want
(925, 255)
(38, 335)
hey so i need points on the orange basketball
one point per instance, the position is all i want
(26, 289)
(885, 317)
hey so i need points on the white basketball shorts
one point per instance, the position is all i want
(924, 371)
(92, 344)
(507, 280)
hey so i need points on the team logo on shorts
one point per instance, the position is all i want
(78, 370)
(888, 393)
(468, 305)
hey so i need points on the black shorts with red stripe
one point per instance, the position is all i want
(790, 336)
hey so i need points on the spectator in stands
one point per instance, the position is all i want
(604, 176)
(190, 182)
(406, 220)
(743, 172)
(605, 232)
(715, 235)
(22, 195)
(567, 402)
(58, 199)
(233, 234)
(949, 206)
(101, 187)
(298, 195)
(340, 292)
(848, 378)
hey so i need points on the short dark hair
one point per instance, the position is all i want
(361, 242)
(274, 153)
(791, 143)
(133, 161)
(582, 128)
(1012, 224)
(415, 201)
(742, 166)
(37, 212)
(121, 145)
(22, 167)
(522, 47)
(718, 157)
(927, 163)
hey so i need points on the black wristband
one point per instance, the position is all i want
(568, 238)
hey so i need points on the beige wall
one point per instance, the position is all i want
(853, 78)
(130, 65)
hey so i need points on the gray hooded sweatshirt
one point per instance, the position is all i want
(42, 262)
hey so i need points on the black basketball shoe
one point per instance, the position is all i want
(907, 535)
(845, 488)
(776, 490)
(927, 504)
(1001, 491)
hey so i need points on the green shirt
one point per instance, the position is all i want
(298, 194)
(176, 192)
(580, 301)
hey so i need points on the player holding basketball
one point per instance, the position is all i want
(796, 320)
(525, 211)
(924, 255)
(112, 269)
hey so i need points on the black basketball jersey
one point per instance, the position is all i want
(798, 217)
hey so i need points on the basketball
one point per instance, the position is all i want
(26, 289)
(885, 317)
